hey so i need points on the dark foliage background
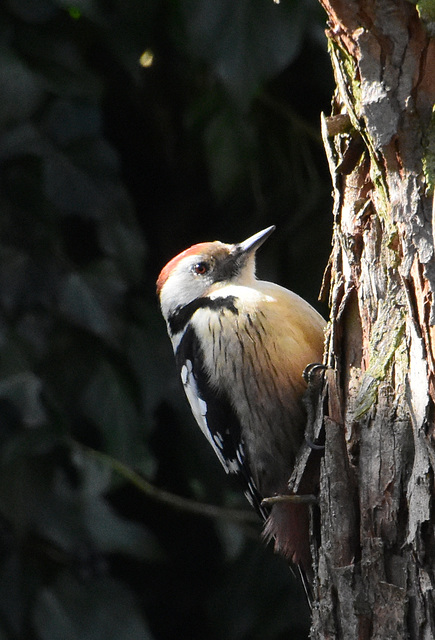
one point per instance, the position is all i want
(130, 129)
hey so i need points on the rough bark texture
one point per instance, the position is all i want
(375, 555)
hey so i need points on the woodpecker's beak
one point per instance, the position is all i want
(254, 242)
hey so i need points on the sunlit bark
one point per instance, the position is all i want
(376, 552)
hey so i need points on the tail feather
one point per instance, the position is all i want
(288, 526)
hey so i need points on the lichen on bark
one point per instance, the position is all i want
(375, 555)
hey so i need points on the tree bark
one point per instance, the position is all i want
(375, 551)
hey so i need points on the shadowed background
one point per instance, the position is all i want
(129, 131)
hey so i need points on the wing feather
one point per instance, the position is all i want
(215, 416)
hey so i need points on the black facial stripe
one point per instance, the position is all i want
(227, 269)
(181, 316)
(222, 268)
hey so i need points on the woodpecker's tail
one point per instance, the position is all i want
(288, 526)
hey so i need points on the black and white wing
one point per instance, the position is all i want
(215, 416)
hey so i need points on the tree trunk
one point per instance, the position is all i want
(375, 555)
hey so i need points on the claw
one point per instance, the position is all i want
(312, 369)
(314, 445)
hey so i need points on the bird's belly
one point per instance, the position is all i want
(257, 372)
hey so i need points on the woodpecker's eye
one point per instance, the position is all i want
(201, 268)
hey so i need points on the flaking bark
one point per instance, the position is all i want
(375, 547)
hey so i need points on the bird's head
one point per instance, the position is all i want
(205, 267)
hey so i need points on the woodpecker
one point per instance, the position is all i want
(241, 346)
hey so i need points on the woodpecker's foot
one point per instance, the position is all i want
(313, 399)
(292, 498)
(313, 369)
(314, 445)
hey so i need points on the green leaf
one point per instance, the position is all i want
(245, 42)
(229, 149)
(31, 11)
(21, 90)
(125, 245)
(67, 120)
(74, 516)
(24, 391)
(108, 402)
(36, 495)
(80, 304)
